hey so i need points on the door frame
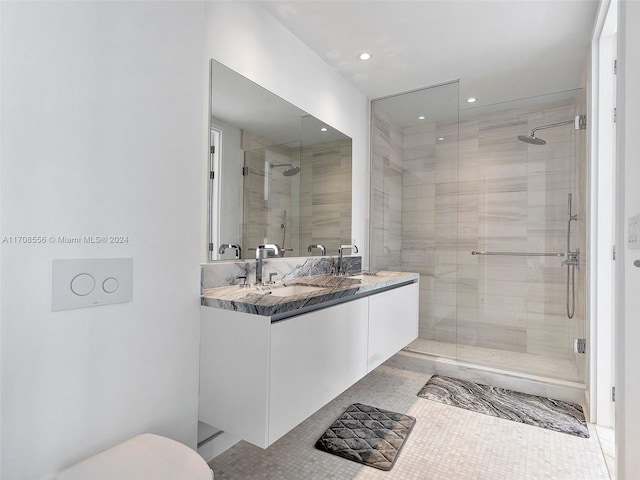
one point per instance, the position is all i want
(602, 217)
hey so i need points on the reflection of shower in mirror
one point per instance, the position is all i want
(283, 226)
(289, 172)
(274, 147)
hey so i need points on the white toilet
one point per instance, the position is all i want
(144, 457)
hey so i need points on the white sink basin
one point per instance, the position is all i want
(290, 290)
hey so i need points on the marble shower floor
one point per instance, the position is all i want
(539, 365)
(446, 443)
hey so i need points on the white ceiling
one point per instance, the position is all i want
(500, 50)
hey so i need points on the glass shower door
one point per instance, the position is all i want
(513, 218)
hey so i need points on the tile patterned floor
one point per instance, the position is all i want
(447, 443)
(608, 443)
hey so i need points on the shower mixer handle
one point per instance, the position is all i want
(573, 259)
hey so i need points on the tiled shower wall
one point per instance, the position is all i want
(325, 199)
(434, 201)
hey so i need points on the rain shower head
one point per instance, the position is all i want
(579, 123)
(289, 172)
(531, 139)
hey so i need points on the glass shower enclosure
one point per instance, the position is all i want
(484, 218)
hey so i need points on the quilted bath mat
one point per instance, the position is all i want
(367, 435)
(542, 412)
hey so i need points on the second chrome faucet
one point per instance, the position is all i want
(353, 249)
(264, 247)
(323, 251)
(236, 247)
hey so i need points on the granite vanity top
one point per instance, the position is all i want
(302, 294)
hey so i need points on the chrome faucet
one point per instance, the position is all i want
(237, 248)
(262, 248)
(323, 251)
(353, 248)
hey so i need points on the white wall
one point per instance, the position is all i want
(1, 230)
(102, 133)
(244, 37)
(628, 327)
(602, 219)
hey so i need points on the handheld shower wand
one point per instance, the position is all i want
(283, 226)
(572, 262)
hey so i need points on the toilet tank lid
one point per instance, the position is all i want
(144, 456)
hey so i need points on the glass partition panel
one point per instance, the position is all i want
(414, 196)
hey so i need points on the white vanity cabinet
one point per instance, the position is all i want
(258, 379)
(234, 373)
(314, 358)
(393, 323)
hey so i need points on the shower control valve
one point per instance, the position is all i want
(573, 259)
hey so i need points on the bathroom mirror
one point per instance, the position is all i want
(276, 174)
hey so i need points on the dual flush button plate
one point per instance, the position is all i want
(90, 282)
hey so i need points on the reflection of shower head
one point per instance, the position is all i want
(579, 123)
(289, 171)
(531, 139)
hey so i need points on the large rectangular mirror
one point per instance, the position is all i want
(276, 174)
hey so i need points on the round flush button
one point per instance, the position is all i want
(83, 284)
(110, 285)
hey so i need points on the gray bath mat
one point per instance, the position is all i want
(367, 435)
(542, 412)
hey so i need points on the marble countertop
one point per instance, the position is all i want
(302, 294)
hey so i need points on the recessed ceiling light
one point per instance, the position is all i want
(323, 129)
(365, 56)
(421, 117)
(440, 139)
(471, 99)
